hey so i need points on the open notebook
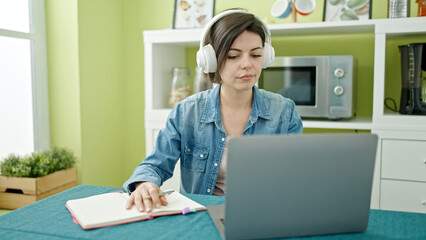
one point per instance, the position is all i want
(109, 209)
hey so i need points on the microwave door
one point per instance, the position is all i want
(299, 84)
(302, 80)
(320, 84)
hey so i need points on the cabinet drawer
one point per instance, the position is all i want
(404, 159)
(403, 196)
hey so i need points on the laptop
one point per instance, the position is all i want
(281, 186)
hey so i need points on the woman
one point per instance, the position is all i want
(196, 130)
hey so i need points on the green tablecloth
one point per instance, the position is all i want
(49, 219)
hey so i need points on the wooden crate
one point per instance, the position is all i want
(16, 192)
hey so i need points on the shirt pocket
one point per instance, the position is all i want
(195, 157)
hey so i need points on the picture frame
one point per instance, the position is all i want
(192, 13)
(346, 10)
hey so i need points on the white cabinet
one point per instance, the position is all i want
(403, 170)
(400, 175)
(403, 196)
(405, 160)
(165, 49)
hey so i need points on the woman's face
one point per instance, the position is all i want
(243, 65)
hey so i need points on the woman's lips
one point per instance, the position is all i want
(246, 77)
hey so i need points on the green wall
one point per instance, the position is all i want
(96, 75)
(101, 45)
(86, 91)
(64, 75)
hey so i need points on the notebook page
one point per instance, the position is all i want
(109, 208)
(177, 202)
(103, 209)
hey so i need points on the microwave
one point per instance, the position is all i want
(321, 86)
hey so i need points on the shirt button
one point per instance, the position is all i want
(189, 150)
(215, 164)
(201, 155)
(208, 190)
(223, 139)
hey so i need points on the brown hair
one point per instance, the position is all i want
(223, 33)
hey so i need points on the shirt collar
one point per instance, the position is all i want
(211, 112)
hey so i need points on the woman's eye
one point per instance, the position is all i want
(231, 56)
(257, 55)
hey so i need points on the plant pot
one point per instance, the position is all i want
(16, 192)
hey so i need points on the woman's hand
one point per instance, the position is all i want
(145, 197)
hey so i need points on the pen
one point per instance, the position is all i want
(161, 194)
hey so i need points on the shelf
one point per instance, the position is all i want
(396, 121)
(320, 28)
(404, 26)
(191, 37)
(355, 123)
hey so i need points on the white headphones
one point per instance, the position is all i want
(206, 56)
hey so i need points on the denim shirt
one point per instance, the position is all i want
(194, 133)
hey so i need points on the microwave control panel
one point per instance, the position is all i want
(340, 87)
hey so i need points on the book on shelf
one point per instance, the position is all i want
(109, 209)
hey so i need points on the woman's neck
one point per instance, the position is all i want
(235, 109)
(231, 99)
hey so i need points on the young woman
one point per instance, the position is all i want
(233, 51)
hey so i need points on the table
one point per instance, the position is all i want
(49, 219)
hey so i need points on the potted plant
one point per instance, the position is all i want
(24, 180)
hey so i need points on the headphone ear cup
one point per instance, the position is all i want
(206, 59)
(268, 54)
(201, 61)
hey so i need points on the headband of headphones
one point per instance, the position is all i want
(206, 56)
(225, 13)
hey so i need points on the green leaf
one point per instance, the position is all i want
(356, 4)
(336, 2)
(37, 164)
(348, 14)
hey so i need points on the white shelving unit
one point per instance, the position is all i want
(165, 49)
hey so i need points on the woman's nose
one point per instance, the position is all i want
(246, 61)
